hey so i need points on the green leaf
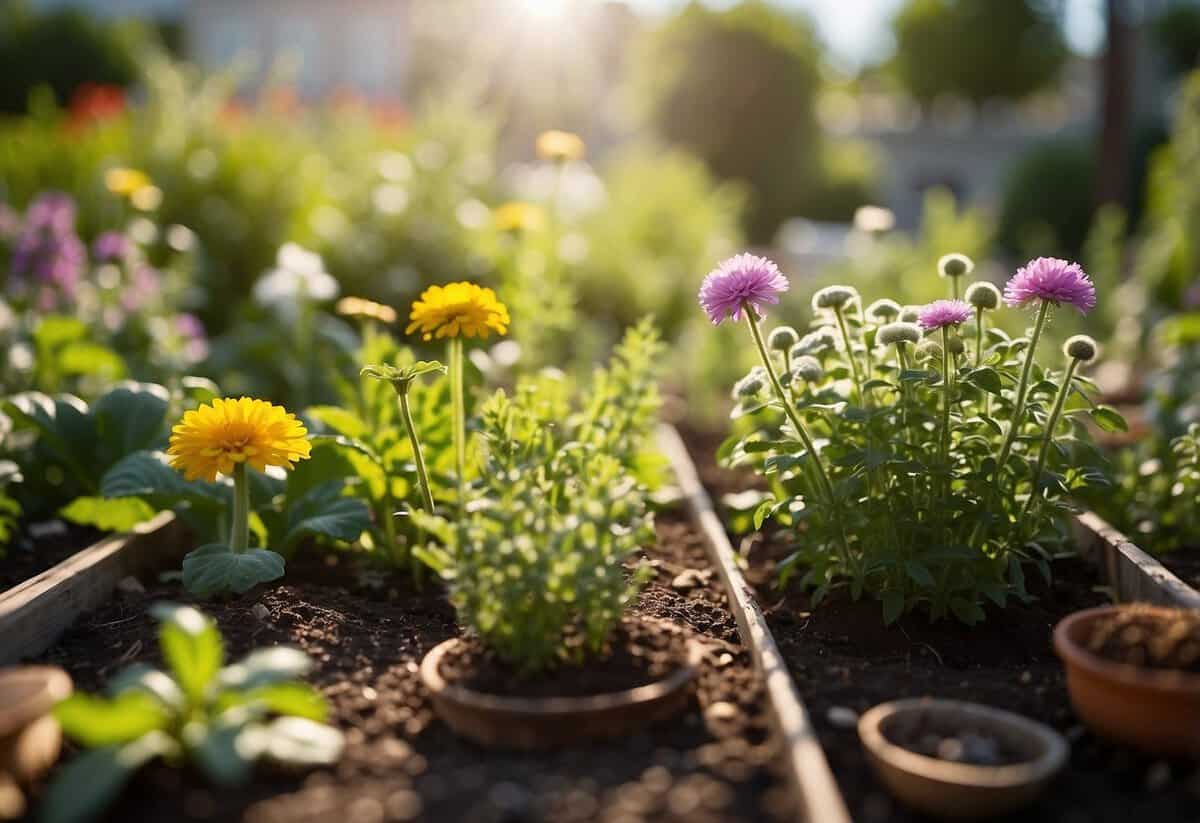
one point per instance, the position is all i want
(56, 330)
(98, 721)
(340, 420)
(1109, 419)
(130, 416)
(290, 699)
(966, 611)
(199, 389)
(294, 741)
(152, 681)
(263, 667)
(107, 515)
(216, 750)
(214, 569)
(91, 359)
(84, 788)
(893, 606)
(147, 475)
(920, 573)
(323, 512)
(191, 647)
(987, 379)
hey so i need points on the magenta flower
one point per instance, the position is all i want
(942, 313)
(109, 246)
(743, 280)
(1054, 280)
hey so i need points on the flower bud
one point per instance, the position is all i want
(815, 342)
(833, 297)
(883, 310)
(929, 349)
(782, 338)
(808, 369)
(955, 265)
(751, 385)
(910, 314)
(896, 333)
(955, 344)
(983, 295)
(1081, 348)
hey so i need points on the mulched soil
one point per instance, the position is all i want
(27, 555)
(845, 661)
(716, 762)
(1149, 637)
(1184, 563)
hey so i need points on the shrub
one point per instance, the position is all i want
(1047, 200)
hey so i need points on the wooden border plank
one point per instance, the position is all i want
(33, 614)
(816, 791)
(1134, 575)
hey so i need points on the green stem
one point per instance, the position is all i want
(1022, 389)
(1060, 400)
(239, 532)
(978, 336)
(418, 456)
(954, 287)
(841, 320)
(798, 425)
(458, 404)
(947, 387)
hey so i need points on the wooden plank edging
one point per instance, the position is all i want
(1134, 575)
(35, 613)
(816, 791)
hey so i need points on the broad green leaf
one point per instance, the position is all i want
(84, 788)
(131, 417)
(986, 378)
(90, 359)
(152, 681)
(294, 741)
(216, 750)
(289, 699)
(323, 512)
(1109, 419)
(264, 667)
(340, 420)
(893, 606)
(191, 647)
(214, 569)
(56, 330)
(199, 389)
(919, 572)
(147, 475)
(98, 721)
(108, 515)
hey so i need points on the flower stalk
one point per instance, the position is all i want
(454, 351)
(239, 532)
(1022, 388)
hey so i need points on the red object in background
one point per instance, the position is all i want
(94, 103)
(390, 115)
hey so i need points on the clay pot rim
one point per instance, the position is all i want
(965, 775)
(1162, 681)
(543, 707)
(50, 685)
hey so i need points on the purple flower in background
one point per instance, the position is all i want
(744, 280)
(52, 211)
(195, 341)
(47, 248)
(109, 246)
(1053, 280)
(144, 285)
(942, 313)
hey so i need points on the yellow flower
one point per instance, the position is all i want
(217, 436)
(125, 182)
(458, 309)
(519, 216)
(560, 146)
(369, 309)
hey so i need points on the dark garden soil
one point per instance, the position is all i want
(1184, 563)
(1150, 638)
(844, 661)
(716, 762)
(42, 546)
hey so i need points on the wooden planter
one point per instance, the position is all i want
(1134, 575)
(33, 614)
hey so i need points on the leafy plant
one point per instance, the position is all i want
(926, 470)
(219, 718)
(536, 563)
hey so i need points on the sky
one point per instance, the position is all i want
(858, 31)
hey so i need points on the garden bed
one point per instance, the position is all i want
(844, 661)
(368, 633)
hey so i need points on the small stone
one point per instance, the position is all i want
(724, 660)
(982, 751)
(689, 579)
(951, 748)
(1026, 677)
(842, 717)
(1158, 776)
(260, 612)
(130, 585)
(369, 694)
(722, 712)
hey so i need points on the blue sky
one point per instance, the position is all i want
(858, 30)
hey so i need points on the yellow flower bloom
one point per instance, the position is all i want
(369, 309)
(125, 182)
(458, 309)
(519, 216)
(217, 436)
(560, 146)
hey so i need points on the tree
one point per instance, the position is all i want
(737, 87)
(977, 49)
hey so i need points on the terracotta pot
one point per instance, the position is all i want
(543, 723)
(1155, 710)
(961, 791)
(30, 738)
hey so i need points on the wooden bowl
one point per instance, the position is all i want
(543, 723)
(961, 791)
(1155, 710)
(30, 738)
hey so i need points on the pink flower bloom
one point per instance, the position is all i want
(1054, 280)
(941, 313)
(740, 281)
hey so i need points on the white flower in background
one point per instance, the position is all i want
(299, 275)
(576, 188)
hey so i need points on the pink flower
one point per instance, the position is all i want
(743, 280)
(1054, 280)
(941, 313)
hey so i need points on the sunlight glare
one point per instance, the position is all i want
(545, 10)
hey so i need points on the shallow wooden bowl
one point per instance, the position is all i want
(30, 737)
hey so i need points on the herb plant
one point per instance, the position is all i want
(536, 565)
(219, 718)
(924, 463)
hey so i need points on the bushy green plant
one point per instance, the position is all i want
(219, 718)
(536, 565)
(1047, 201)
(925, 470)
